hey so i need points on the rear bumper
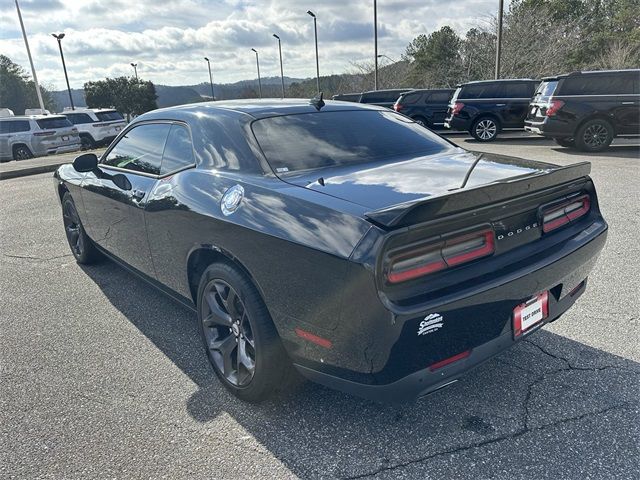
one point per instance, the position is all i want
(456, 123)
(64, 149)
(564, 278)
(550, 127)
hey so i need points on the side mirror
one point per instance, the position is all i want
(87, 162)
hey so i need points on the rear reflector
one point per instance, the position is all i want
(557, 216)
(440, 255)
(450, 360)
(323, 342)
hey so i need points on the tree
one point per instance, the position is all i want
(435, 59)
(126, 94)
(18, 91)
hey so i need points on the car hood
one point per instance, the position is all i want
(379, 185)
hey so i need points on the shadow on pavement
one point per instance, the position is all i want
(546, 393)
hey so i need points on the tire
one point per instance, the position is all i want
(82, 247)
(239, 337)
(565, 142)
(22, 152)
(421, 121)
(87, 142)
(485, 129)
(594, 135)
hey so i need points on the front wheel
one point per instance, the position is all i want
(240, 339)
(87, 142)
(594, 135)
(485, 129)
(82, 248)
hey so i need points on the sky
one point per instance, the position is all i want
(169, 39)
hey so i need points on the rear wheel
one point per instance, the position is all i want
(22, 152)
(565, 142)
(594, 135)
(485, 129)
(83, 249)
(87, 142)
(240, 339)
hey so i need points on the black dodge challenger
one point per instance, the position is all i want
(345, 240)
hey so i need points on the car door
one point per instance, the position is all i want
(515, 104)
(438, 103)
(115, 209)
(627, 113)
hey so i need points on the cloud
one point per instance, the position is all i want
(168, 38)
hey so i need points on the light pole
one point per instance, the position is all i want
(59, 38)
(375, 43)
(258, 67)
(135, 69)
(213, 98)
(33, 70)
(281, 71)
(387, 57)
(499, 38)
(315, 30)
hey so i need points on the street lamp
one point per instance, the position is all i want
(59, 37)
(135, 69)
(387, 57)
(258, 67)
(375, 44)
(315, 30)
(281, 71)
(213, 98)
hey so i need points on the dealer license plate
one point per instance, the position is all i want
(530, 313)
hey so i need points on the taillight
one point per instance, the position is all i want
(457, 107)
(559, 215)
(553, 107)
(397, 107)
(440, 255)
(43, 134)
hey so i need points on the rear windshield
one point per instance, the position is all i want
(109, 116)
(317, 140)
(53, 122)
(546, 89)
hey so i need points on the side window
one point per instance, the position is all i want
(410, 98)
(79, 118)
(597, 85)
(439, 97)
(178, 152)
(14, 126)
(517, 90)
(481, 90)
(140, 150)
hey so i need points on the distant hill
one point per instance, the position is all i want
(178, 95)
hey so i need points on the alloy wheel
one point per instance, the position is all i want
(72, 228)
(228, 333)
(486, 129)
(595, 136)
(22, 153)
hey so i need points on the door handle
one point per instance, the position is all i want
(138, 195)
(500, 104)
(628, 103)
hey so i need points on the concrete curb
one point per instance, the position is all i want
(34, 170)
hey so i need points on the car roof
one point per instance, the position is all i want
(590, 72)
(256, 108)
(422, 90)
(388, 90)
(31, 117)
(500, 80)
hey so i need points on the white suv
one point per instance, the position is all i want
(97, 126)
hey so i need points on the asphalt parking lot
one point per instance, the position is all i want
(102, 376)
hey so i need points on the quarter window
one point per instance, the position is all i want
(439, 97)
(178, 152)
(517, 90)
(79, 118)
(140, 149)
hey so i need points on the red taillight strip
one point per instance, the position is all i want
(44, 134)
(487, 248)
(323, 342)
(447, 361)
(558, 216)
(441, 255)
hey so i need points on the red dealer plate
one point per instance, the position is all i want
(530, 313)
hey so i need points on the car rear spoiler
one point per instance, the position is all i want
(459, 200)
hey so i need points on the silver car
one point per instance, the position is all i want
(23, 137)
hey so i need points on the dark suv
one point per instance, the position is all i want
(383, 98)
(426, 107)
(485, 108)
(587, 109)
